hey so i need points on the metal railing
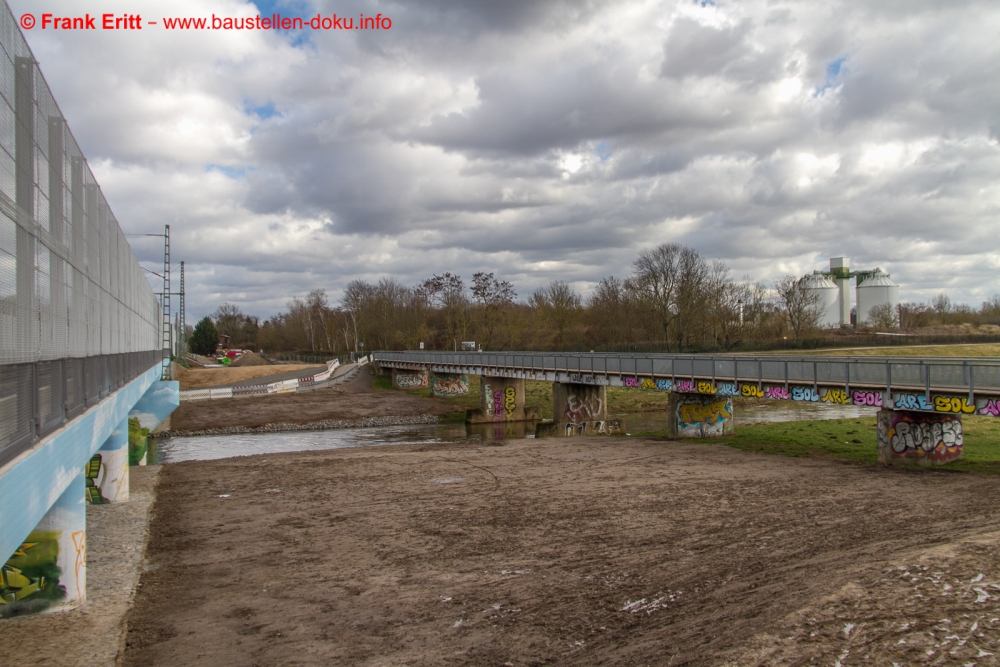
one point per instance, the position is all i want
(884, 373)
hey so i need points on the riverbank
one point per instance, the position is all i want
(93, 634)
(577, 551)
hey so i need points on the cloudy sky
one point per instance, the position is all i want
(543, 141)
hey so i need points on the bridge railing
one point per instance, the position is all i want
(78, 318)
(981, 375)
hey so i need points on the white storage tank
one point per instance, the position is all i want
(876, 290)
(829, 298)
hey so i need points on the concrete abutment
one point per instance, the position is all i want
(919, 438)
(699, 415)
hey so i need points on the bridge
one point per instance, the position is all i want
(80, 344)
(920, 401)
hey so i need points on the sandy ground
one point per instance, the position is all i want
(586, 551)
(352, 400)
(201, 378)
(91, 635)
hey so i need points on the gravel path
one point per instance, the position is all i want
(92, 635)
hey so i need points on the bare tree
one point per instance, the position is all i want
(493, 296)
(883, 316)
(800, 305)
(559, 303)
(670, 282)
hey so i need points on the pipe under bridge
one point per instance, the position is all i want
(920, 400)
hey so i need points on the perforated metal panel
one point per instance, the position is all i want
(77, 318)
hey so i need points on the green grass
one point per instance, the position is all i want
(958, 350)
(855, 440)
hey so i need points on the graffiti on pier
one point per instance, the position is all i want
(701, 417)
(29, 580)
(605, 427)
(806, 394)
(872, 398)
(587, 408)
(94, 471)
(411, 380)
(449, 385)
(509, 400)
(991, 407)
(498, 406)
(919, 438)
(953, 404)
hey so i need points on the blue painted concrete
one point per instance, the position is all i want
(157, 403)
(33, 482)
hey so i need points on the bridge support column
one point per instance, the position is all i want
(107, 471)
(448, 384)
(918, 438)
(48, 572)
(406, 379)
(500, 400)
(580, 409)
(700, 415)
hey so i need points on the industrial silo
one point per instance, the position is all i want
(828, 300)
(876, 290)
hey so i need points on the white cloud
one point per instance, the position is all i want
(545, 141)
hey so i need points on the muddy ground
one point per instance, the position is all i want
(586, 551)
(352, 400)
(202, 378)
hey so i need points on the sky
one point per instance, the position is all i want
(541, 141)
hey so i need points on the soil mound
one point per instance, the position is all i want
(251, 359)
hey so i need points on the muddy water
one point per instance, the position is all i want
(172, 450)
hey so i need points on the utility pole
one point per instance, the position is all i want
(167, 329)
(182, 341)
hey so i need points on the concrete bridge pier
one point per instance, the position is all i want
(919, 438)
(448, 384)
(107, 471)
(580, 409)
(700, 415)
(406, 379)
(500, 400)
(48, 572)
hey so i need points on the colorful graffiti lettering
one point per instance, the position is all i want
(751, 391)
(709, 413)
(913, 402)
(509, 400)
(836, 396)
(632, 382)
(497, 406)
(706, 388)
(489, 395)
(924, 437)
(953, 404)
(992, 407)
(728, 389)
(664, 385)
(804, 394)
(449, 385)
(873, 398)
(700, 417)
(583, 409)
(29, 580)
(687, 386)
(411, 380)
(648, 383)
(777, 392)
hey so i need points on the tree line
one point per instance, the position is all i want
(674, 300)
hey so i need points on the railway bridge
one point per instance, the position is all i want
(920, 401)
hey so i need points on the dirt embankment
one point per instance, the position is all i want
(566, 551)
(353, 400)
(201, 378)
